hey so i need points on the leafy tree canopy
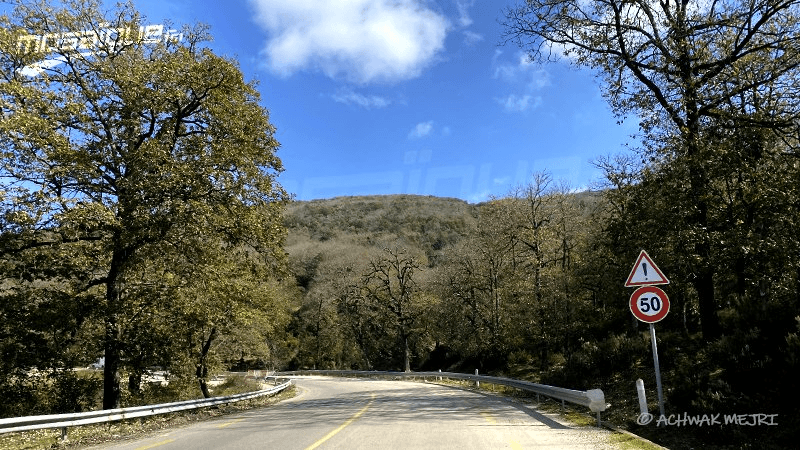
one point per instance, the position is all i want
(122, 141)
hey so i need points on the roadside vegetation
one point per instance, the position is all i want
(97, 435)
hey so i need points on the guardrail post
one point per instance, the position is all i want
(64, 434)
(477, 383)
(439, 378)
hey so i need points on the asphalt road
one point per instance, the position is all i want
(341, 413)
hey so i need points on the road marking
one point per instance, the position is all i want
(229, 423)
(342, 426)
(157, 444)
(515, 445)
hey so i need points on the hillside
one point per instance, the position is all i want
(425, 222)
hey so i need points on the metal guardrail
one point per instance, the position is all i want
(64, 421)
(594, 399)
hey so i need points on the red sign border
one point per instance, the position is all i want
(644, 256)
(655, 290)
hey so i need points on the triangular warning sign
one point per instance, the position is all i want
(645, 273)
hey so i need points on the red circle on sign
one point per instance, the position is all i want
(649, 304)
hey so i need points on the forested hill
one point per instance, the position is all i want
(532, 286)
(425, 222)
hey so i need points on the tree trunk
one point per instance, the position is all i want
(201, 379)
(704, 280)
(111, 390)
(698, 180)
(406, 354)
(111, 345)
(709, 322)
(202, 368)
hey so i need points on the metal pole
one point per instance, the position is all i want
(658, 370)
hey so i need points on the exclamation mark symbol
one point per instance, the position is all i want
(644, 267)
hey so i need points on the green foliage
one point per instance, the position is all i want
(712, 192)
(331, 244)
(71, 392)
(57, 391)
(427, 223)
(139, 204)
(236, 385)
(477, 303)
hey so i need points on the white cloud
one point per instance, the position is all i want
(421, 130)
(348, 97)
(523, 76)
(463, 12)
(464, 21)
(472, 38)
(519, 103)
(361, 40)
(522, 71)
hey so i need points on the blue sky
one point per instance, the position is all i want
(406, 96)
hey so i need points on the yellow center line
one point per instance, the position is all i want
(157, 444)
(229, 423)
(342, 426)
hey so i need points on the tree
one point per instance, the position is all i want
(122, 141)
(684, 69)
(483, 285)
(215, 307)
(549, 224)
(390, 283)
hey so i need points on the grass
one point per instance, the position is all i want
(88, 435)
(632, 442)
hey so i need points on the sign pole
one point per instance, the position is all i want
(649, 304)
(658, 369)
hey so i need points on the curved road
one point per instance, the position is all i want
(342, 413)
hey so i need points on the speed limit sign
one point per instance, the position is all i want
(649, 304)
